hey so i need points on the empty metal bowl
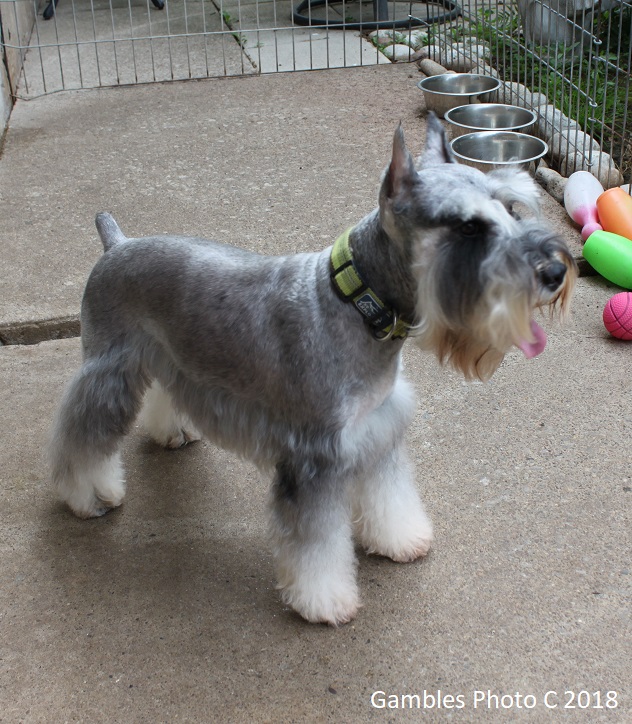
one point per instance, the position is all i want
(486, 150)
(449, 90)
(489, 117)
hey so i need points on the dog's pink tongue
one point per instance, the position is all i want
(533, 349)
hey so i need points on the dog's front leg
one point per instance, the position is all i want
(389, 517)
(312, 543)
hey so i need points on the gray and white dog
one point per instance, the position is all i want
(295, 362)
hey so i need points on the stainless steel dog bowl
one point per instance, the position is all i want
(449, 90)
(489, 117)
(486, 150)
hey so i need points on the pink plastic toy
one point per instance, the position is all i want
(617, 315)
(580, 200)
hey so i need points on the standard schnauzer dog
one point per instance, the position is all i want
(295, 361)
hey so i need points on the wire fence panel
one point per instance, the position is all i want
(577, 55)
(94, 43)
(567, 59)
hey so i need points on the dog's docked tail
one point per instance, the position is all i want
(109, 231)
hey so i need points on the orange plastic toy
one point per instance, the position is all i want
(615, 212)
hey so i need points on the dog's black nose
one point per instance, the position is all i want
(553, 275)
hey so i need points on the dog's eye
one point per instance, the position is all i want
(471, 228)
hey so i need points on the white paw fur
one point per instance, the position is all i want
(164, 424)
(92, 489)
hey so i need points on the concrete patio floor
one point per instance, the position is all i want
(166, 610)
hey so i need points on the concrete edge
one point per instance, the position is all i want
(42, 330)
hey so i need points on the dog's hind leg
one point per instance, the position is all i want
(97, 410)
(313, 546)
(389, 517)
(163, 422)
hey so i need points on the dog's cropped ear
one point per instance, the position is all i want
(437, 149)
(401, 173)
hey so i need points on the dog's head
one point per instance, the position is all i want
(480, 270)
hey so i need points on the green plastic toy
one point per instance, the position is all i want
(611, 256)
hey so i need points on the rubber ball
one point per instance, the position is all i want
(617, 315)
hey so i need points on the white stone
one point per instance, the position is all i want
(486, 69)
(552, 182)
(460, 57)
(417, 39)
(398, 52)
(429, 67)
(603, 168)
(518, 94)
(572, 142)
(551, 121)
(385, 37)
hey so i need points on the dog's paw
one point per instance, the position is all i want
(180, 438)
(406, 552)
(95, 509)
(394, 526)
(90, 491)
(402, 544)
(319, 607)
(85, 503)
(319, 582)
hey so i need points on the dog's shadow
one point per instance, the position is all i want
(188, 542)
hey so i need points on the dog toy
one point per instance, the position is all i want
(580, 201)
(610, 255)
(615, 212)
(617, 315)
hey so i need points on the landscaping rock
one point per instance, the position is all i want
(387, 37)
(430, 67)
(603, 168)
(417, 39)
(518, 94)
(551, 121)
(572, 142)
(577, 151)
(485, 69)
(552, 182)
(398, 53)
(460, 57)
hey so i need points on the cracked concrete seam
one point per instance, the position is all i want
(42, 330)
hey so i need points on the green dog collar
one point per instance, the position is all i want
(351, 287)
